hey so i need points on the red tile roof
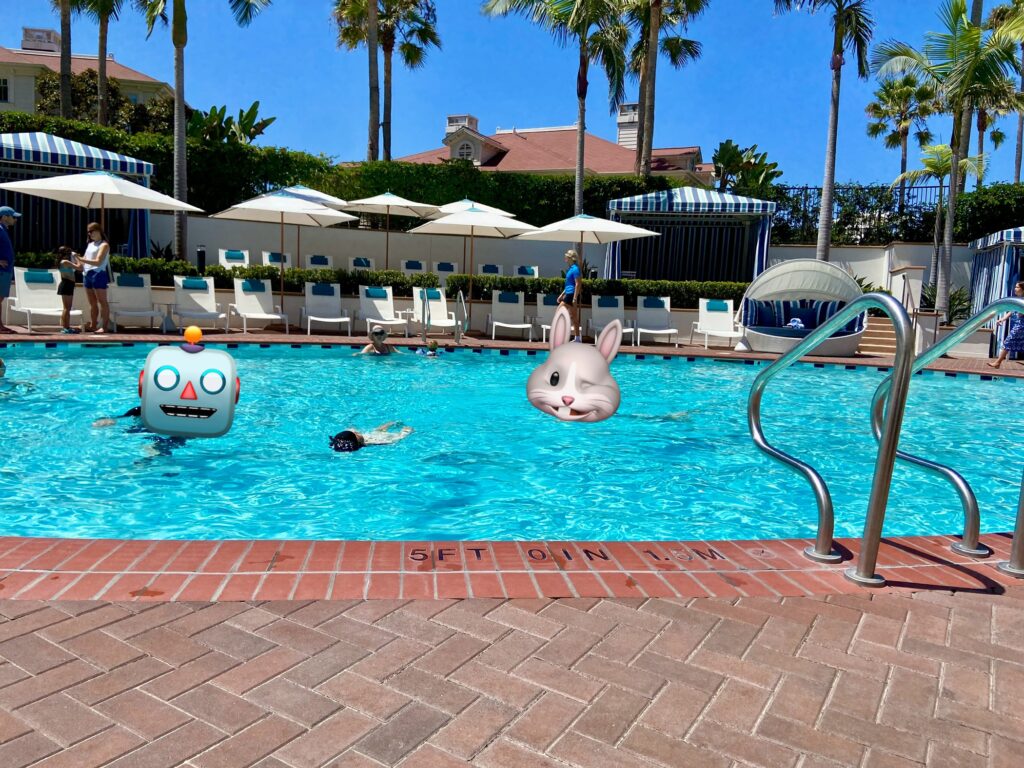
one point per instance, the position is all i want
(78, 64)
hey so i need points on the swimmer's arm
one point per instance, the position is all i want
(383, 427)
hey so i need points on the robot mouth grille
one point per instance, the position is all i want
(188, 411)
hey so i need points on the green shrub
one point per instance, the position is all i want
(987, 210)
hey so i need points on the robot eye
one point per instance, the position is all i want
(213, 381)
(166, 377)
(554, 379)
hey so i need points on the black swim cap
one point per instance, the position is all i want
(346, 441)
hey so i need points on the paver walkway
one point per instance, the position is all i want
(872, 680)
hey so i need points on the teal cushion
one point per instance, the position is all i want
(253, 286)
(653, 302)
(374, 292)
(445, 266)
(360, 263)
(550, 300)
(234, 256)
(38, 276)
(489, 269)
(508, 297)
(274, 257)
(528, 271)
(414, 265)
(717, 305)
(126, 280)
(322, 289)
(319, 261)
(433, 294)
(193, 284)
(608, 301)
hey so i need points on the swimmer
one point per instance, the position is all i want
(131, 413)
(378, 343)
(161, 445)
(3, 368)
(430, 351)
(350, 440)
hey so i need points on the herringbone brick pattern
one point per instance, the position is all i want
(928, 678)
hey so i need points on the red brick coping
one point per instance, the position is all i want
(107, 569)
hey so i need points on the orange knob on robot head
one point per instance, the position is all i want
(193, 334)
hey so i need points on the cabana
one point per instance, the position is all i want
(45, 224)
(996, 267)
(705, 235)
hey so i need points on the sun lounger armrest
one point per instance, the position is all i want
(232, 309)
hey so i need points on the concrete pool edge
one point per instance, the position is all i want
(231, 570)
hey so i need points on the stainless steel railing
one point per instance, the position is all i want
(968, 545)
(460, 307)
(1015, 566)
(424, 312)
(823, 550)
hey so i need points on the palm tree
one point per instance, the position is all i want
(373, 128)
(598, 30)
(989, 107)
(102, 11)
(677, 49)
(409, 24)
(902, 104)
(963, 63)
(65, 8)
(936, 164)
(853, 27)
(156, 10)
(966, 120)
(999, 16)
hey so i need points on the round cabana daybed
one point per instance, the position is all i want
(809, 290)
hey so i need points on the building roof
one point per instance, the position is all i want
(79, 64)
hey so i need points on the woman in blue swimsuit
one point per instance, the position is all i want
(1013, 341)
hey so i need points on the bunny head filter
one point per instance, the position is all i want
(575, 383)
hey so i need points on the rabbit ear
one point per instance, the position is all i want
(609, 341)
(560, 327)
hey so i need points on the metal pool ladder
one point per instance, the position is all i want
(460, 309)
(888, 435)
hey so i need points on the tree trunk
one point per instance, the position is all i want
(65, 60)
(101, 71)
(903, 172)
(581, 123)
(828, 185)
(946, 258)
(179, 36)
(933, 268)
(968, 119)
(982, 127)
(1020, 125)
(388, 54)
(640, 109)
(373, 128)
(651, 67)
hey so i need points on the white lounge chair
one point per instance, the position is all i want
(489, 269)
(228, 257)
(319, 261)
(413, 267)
(527, 271)
(377, 307)
(132, 296)
(443, 269)
(37, 295)
(654, 316)
(323, 305)
(361, 262)
(194, 299)
(274, 259)
(438, 315)
(254, 300)
(507, 311)
(604, 309)
(715, 317)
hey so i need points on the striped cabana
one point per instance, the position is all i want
(705, 235)
(45, 224)
(996, 267)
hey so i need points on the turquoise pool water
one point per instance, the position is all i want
(482, 463)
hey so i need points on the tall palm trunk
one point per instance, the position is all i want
(933, 268)
(179, 36)
(828, 185)
(903, 170)
(651, 67)
(388, 51)
(373, 129)
(641, 107)
(982, 128)
(968, 113)
(101, 70)
(946, 259)
(581, 122)
(1020, 126)
(65, 59)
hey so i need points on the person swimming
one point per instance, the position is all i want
(350, 440)
(162, 445)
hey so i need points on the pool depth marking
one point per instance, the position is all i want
(443, 554)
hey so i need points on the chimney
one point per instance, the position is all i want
(628, 119)
(455, 122)
(40, 40)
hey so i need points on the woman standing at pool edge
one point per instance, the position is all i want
(1014, 339)
(96, 279)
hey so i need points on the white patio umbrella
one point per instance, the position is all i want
(584, 229)
(388, 204)
(282, 208)
(466, 204)
(474, 223)
(98, 189)
(315, 195)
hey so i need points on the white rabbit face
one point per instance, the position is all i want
(575, 383)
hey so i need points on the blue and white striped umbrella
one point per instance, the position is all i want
(44, 149)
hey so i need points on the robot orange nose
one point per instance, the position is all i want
(568, 400)
(189, 393)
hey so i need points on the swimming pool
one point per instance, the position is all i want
(482, 463)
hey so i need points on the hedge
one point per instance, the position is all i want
(987, 210)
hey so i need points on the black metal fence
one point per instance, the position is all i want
(861, 214)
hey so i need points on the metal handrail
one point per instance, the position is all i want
(1015, 565)
(968, 545)
(886, 458)
(424, 312)
(460, 303)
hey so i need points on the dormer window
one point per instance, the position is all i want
(465, 151)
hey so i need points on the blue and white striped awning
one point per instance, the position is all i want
(45, 149)
(1015, 235)
(691, 200)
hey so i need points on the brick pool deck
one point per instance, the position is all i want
(505, 654)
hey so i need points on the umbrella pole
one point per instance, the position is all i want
(470, 297)
(282, 262)
(298, 242)
(387, 238)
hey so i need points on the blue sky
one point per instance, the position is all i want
(763, 79)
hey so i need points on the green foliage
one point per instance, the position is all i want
(959, 303)
(744, 171)
(157, 251)
(217, 126)
(160, 271)
(987, 210)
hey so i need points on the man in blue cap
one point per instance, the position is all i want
(7, 218)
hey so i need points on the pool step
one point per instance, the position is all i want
(879, 337)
